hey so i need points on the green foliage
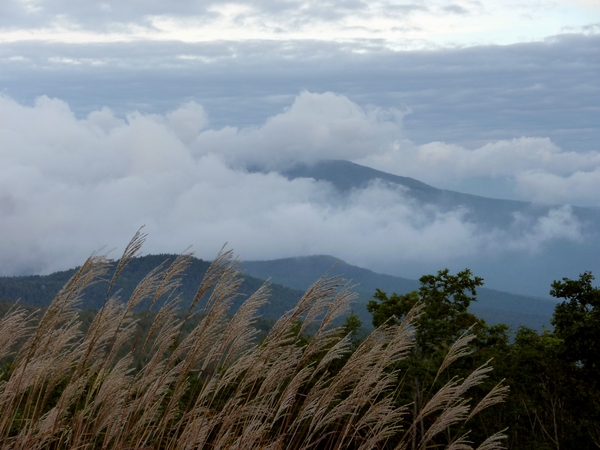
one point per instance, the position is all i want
(577, 322)
(444, 317)
(554, 375)
(353, 328)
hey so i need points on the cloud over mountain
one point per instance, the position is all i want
(538, 169)
(69, 186)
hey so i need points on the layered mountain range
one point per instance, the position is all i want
(517, 281)
(549, 242)
(289, 278)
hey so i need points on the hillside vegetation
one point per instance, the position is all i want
(492, 305)
(289, 277)
(205, 373)
(41, 290)
(216, 385)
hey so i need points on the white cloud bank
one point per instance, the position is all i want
(539, 170)
(70, 186)
(401, 24)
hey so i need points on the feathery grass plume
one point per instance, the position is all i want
(145, 391)
(215, 386)
(494, 442)
(46, 355)
(457, 350)
(460, 443)
(219, 266)
(13, 326)
(131, 251)
(496, 395)
(151, 385)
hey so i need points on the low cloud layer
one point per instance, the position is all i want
(70, 186)
(314, 127)
(469, 97)
(537, 169)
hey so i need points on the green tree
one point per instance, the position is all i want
(577, 325)
(555, 396)
(353, 327)
(444, 318)
(536, 410)
(577, 322)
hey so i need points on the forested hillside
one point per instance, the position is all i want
(492, 305)
(40, 290)
(289, 277)
(202, 375)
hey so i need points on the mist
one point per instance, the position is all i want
(70, 186)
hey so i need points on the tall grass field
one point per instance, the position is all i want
(217, 385)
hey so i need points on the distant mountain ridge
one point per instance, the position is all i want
(520, 271)
(346, 175)
(492, 305)
(289, 278)
(40, 290)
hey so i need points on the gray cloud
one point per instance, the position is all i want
(469, 96)
(107, 13)
(537, 168)
(455, 9)
(69, 186)
(482, 102)
(314, 127)
(464, 96)
(114, 16)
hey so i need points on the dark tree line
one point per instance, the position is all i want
(554, 376)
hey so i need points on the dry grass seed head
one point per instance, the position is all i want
(449, 416)
(288, 398)
(319, 299)
(62, 308)
(311, 304)
(475, 378)
(496, 395)
(458, 350)
(131, 251)
(215, 272)
(339, 306)
(240, 334)
(146, 288)
(461, 443)
(15, 324)
(494, 442)
(170, 280)
(443, 398)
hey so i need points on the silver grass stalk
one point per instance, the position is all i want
(461, 443)
(13, 326)
(273, 395)
(496, 395)
(459, 349)
(131, 251)
(494, 442)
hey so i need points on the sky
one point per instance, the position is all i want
(115, 115)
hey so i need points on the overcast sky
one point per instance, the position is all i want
(116, 114)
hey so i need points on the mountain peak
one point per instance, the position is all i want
(346, 175)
